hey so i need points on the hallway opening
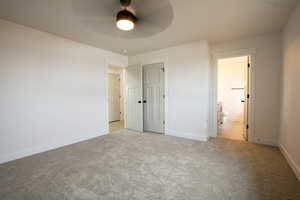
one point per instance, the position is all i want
(115, 98)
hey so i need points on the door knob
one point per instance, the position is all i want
(139, 101)
(243, 101)
(144, 101)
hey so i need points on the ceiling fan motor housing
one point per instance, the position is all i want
(125, 3)
(126, 15)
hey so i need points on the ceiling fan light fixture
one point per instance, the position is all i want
(125, 25)
(126, 20)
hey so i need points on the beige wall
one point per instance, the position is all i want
(290, 112)
(267, 81)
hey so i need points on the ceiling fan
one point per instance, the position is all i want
(124, 18)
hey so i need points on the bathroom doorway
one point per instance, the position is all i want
(233, 97)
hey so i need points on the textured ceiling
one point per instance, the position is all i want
(212, 20)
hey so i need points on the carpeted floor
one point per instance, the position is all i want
(132, 166)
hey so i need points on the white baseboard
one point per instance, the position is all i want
(265, 142)
(43, 148)
(192, 136)
(291, 161)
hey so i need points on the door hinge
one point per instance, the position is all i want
(248, 96)
(249, 64)
(164, 122)
(247, 126)
(164, 96)
(163, 69)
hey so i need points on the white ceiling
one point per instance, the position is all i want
(212, 20)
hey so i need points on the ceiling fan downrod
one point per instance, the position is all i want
(125, 3)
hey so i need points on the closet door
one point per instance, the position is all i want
(153, 97)
(133, 98)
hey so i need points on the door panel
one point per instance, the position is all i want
(153, 93)
(133, 99)
(114, 97)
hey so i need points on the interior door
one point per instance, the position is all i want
(246, 99)
(153, 95)
(133, 98)
(114, 97)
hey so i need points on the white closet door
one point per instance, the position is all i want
(114, 97)
(133, 99)
(153, 93)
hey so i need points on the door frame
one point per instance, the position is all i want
(164, 61)
(214, 92)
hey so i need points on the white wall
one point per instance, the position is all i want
(290, 111)
(267, 81)
(187, 82)
(52, 91)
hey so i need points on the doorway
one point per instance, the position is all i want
(115, 98)
(145, 98)
(233, 97)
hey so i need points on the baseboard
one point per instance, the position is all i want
(186, 135)
(265, 142)
(43, 148)
(291, 161)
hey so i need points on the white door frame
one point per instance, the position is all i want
(164, 61)
(214, 86)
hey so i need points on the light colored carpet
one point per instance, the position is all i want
(132, 166)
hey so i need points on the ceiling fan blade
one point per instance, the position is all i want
(96, 8)
(103, 26)
(106, 27)
(156, 19)
(147, 7)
